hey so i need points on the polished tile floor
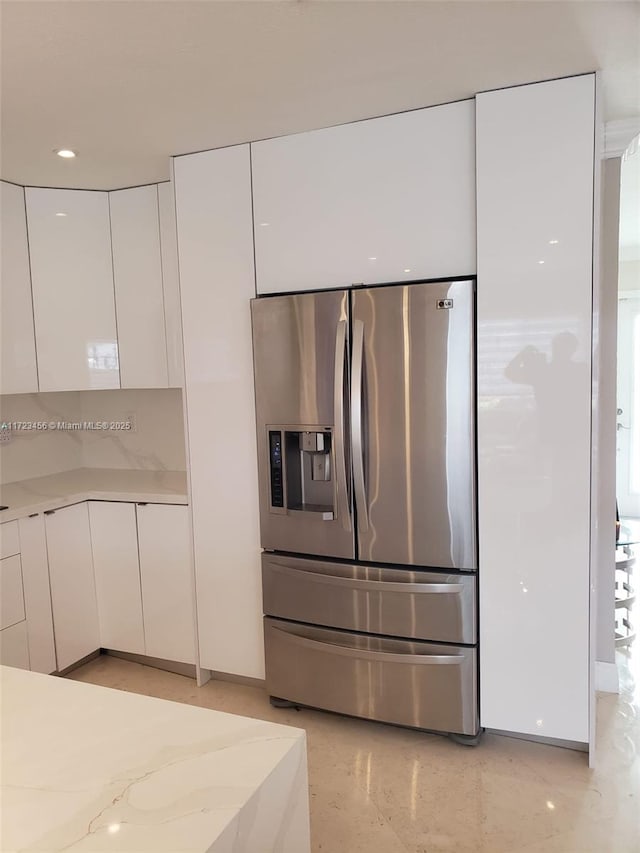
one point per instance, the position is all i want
(379, 789)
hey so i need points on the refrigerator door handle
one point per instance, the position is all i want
(367, 654)
(342, 496)
(357, 450)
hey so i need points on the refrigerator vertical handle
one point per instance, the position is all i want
(342, 498)
(357, 449)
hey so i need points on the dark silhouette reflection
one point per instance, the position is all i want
(561, 435)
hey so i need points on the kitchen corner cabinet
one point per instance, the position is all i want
(73, 590)
(37, 595)
(72, 284)
(166, 578)
(137, 275)
(18, 372)
(384, 200)
(114, 543)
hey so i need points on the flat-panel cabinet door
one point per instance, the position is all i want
(137, 274)
(171, 284)
(165, 570)
(14, 646)
(73, 589)
(114, 541)
(18, 372)
(72, 279)
(37, 595)
(383, 200)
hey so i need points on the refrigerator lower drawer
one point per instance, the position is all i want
(377, 600)
(410, 683)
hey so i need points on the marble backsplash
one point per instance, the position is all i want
(156, 444)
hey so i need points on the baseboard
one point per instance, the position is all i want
(187, 669)
(607, 677)
(247, 680)
(578, 745)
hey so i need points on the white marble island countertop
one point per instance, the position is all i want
(86, 768)
(38, 494)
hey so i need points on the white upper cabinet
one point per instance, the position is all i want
(534, 312)
(72, 280)
(383, 200)
(18, 372)
(171, 284)
(137, 273)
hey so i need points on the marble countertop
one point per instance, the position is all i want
(38, 494)
(87, 768)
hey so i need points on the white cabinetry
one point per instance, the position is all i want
(18, 373)
(114, 542)
(535, 160)
(14, 646)
(165, 570)
(384, 200)
(137, 271)
(171, 284)
(213, 208)
(73, 590)
(11, 595)
(72, 282)
(37, 595)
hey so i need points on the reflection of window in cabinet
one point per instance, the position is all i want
(624, 586)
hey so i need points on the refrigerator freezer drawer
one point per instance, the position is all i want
(401, 603)
(408, 683)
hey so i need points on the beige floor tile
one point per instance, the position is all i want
(382, 789)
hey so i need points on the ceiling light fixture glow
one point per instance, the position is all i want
(407, 270)
(61, 214)
(553, 242)
(66, 153)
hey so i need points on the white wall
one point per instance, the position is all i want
(157, 444)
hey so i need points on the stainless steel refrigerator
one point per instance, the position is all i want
(365, 403)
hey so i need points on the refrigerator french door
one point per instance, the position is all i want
(366, 455)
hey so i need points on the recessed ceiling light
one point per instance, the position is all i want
(61, 214)
(540, 262)
(67, 153)
(553, 242)
(407, 270)
(373, 259)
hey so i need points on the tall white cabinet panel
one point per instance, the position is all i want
(37, 595)
(171, 284)
(18, 372)
(72, 280)
(383, 200)
(213, 207)
(114, 542)
(535, 217)
(137, 274)
(73, 590)
(167, 588)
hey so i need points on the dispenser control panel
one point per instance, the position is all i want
(275, 454)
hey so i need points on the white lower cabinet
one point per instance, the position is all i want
(142, 565)
(73, 589)
(114, 541)
(37, 596)
(165, 572)
(14, 646)
(11, 595)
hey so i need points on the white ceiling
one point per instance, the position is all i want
(129, 83)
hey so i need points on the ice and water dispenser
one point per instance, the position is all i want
(300, 462)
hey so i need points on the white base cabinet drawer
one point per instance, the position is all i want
(9, 539)
(14, 646)
(11, 595)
